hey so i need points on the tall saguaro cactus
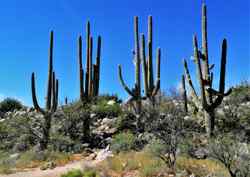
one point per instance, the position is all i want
(209, 98)
(150, 88)
(51, 99)
(90, 86)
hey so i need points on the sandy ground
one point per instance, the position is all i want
(56, 172)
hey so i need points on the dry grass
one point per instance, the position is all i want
(201, 167)
(141, 164)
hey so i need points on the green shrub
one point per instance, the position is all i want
(123, 142)
(73, 173)
(102, 109)
(79, 173)
(10, 104)
(232, 154)
(126, 121)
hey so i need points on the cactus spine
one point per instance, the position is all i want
(51, 98)
(90, 87)
(210, 99)
(140, 55)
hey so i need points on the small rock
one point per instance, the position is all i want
(111, 102)
(48, 165)
(91, 157)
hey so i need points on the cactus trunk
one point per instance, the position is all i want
(209, 99)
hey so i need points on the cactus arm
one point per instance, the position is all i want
(124, 84)
(205, 67)
(150, 53)
(189, 80)
(184, 94)
(90, 66)
(199, 72)
(137, 59)
(80, 68)
(95, 81)
(53, 90)
(158, 72)
(87, 59)
(49, 86)
(223, 66)
(34, 98)
(144, 64)
(54, 93)
(98, 64)
(221, 94)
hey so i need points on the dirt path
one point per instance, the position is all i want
(56, 172)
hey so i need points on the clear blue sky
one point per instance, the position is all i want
(25, 26)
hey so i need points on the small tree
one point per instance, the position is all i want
(10, 104)
(231, 154)
(167, 127)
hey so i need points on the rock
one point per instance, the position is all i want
(91, 157)
(107, 121)
(111, 102)
(200, 153)
(103, 154)
(112, 130)
(20, 147)
(48, 165)
(14, 156)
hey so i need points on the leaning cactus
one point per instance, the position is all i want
(209, 99)
(90, 87)
(51, 99)
(150, 88)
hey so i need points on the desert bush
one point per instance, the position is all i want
(126, 121)
(122, 142)
(73, 173)
(76, 123)
(143, 162)
(231, 154)
(102, 109)
(167, 126)
(79, 173)
(10, 104)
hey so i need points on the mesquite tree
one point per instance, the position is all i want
(209, 98)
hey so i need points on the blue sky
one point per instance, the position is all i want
(25, 27)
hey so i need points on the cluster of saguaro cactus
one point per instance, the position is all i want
(150, 88)
(90, 87)
(209, 99)
(51, 99)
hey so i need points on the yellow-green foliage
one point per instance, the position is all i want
(79, 173)
(31, 159)
(123, 142)
(146, 164)
(201, 167)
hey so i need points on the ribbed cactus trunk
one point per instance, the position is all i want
(209, 99)
(51, 99)
(137, 67)
(140, 58)
(89, 87)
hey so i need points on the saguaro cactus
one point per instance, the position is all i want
(184, 94)
(51, 99)
(92, 74)
(140, 55)
(209, 99)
